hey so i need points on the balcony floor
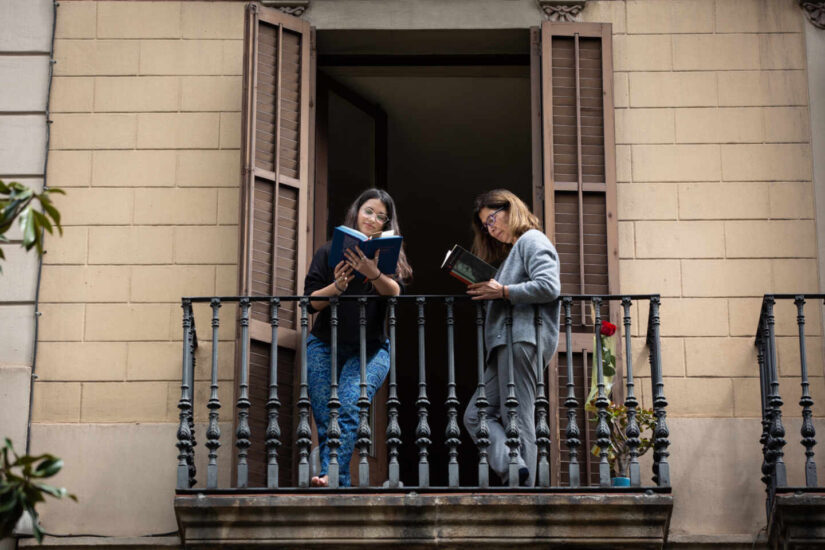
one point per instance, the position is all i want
(417, 520)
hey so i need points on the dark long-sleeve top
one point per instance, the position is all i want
(320, 274)
(532, 276)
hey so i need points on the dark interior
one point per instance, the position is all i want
(457, 106)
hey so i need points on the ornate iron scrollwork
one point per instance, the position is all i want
(814, 11)
(289, 7)
(562, 10)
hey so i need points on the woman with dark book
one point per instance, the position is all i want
(506, 232)
(371, 213)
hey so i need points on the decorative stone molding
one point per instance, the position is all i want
(289, 7)
(562, 10)
(814, 11)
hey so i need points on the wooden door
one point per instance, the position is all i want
(275, 225)
(575, 196)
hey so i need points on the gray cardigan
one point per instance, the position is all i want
(531, 273)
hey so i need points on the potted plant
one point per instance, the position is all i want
(618, 452)
(22, 487)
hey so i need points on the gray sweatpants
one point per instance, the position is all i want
(495, 386)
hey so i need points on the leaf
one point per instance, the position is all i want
(26, 460)
(27, 225)
(57, 492)
(36, 529)
(42, 220)
(49, 467)
(54, 213)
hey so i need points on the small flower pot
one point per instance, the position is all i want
(621, 482)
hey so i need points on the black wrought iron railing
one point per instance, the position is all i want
(774, 470)
(422, 437)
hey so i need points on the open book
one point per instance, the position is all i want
(387, 242)
(466, 267)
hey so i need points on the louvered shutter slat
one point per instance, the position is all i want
(275, 143)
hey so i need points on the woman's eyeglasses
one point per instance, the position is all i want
(491, 219)
(370, 213)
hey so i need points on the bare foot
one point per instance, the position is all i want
(321, 481)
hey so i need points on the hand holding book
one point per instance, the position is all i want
(487, 290)
(347, 239)
(357, 260)
(467, 267)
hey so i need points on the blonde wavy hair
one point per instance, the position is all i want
(521, 221)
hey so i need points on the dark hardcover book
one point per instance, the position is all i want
(467, 267)
(346, 237)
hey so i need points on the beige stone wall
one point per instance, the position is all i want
(715, 195)
(146, 107)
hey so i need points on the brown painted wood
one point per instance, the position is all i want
(579, 178)
(536, 123)
(274, 217)
(547, 107)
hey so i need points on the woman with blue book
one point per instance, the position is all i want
(506, 232)
(372, 213)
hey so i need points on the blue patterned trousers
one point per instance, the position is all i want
(319, 379)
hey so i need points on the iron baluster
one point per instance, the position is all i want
(761, 356)
(364, 432)
(777, 440)
(542, 408)
(422, 430)
(213, 432)
(190, 459)
(393, 428)
(483, 432)
(452, 431)
(632, 432)
(806, 402)
(334, 429)
(602, 429)
(243, 434)
(512, 429)
(660, 431)
(184, 434)
(273, 404)
(303, 433)
(572, 433)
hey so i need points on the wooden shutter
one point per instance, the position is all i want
(274, 211)
(577, 188)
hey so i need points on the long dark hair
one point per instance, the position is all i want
(521, 221)
(404, 270)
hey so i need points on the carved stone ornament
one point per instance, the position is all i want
(562, 10)
(814, 11)
(289, 7)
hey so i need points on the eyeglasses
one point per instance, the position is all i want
(491, 220)
(370, 213)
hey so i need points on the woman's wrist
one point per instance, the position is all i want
(376, 277)
(338, 288)
(504, 293)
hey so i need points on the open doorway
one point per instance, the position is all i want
(456, 108)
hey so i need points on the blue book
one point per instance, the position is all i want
(346, 237)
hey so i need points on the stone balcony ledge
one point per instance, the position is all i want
(425, 520)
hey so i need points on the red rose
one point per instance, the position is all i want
(608, 329)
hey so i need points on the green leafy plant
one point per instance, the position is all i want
(618, 453)
(17, 203)
(22, 487)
